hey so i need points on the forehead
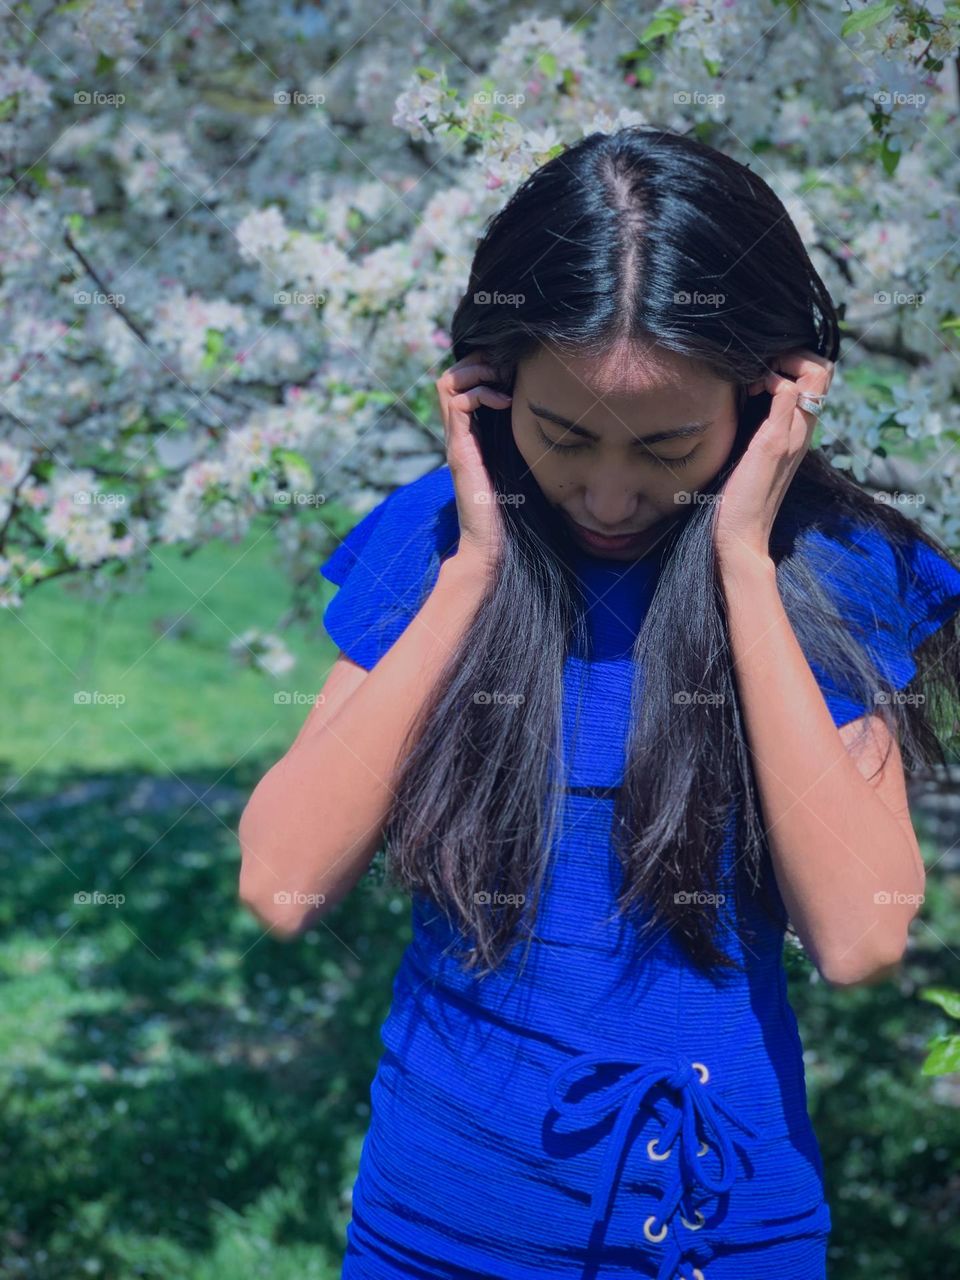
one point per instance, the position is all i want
(621, 382)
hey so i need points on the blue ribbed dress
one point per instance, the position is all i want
(610, 1111)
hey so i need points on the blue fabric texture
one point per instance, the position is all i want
(891, 600)
(387, 564)
(608, 1111)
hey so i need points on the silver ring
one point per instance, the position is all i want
(810, 402)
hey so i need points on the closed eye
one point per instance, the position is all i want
(554, 447)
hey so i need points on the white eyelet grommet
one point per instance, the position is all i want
(701, 1071)
(657, 1155)
(698, 1274)
(703, 1149)
(649, 1234)
(694, 1226)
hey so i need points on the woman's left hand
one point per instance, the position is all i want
(754, 490)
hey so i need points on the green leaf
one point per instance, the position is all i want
(292, 461)
(547, 63)
(866, 18)
(38, 173)
(213, 348)
(943, 1058)
(663, 23)
(945, 997)
(889, 158)
(173, 421)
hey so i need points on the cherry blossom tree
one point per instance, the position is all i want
(233, 236)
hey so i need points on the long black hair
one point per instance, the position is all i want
(602, 246)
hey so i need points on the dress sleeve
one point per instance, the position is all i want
(892, 596)
(387, 564)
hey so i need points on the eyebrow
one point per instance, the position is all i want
(675, 433)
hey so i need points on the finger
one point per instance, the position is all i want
(811, 370)
(784, 407)
(466, 401)
(458, 407)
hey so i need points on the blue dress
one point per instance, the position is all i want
(611, 1111)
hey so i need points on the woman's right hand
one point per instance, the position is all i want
(461, 390)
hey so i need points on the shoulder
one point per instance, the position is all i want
(387, 564)
(890, 590)
(894, 581)
(406, 518)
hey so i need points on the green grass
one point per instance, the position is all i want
(182, 1098)
(165, 651)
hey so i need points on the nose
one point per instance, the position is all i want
(611, 511)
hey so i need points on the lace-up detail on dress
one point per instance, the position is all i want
(693, 1100)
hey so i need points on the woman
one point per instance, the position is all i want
(621, 689)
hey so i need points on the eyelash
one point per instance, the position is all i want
(575, 448)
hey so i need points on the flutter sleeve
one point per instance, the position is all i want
(387, 565)
(892, 596)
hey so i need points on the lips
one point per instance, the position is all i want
(616, 543)
(611, 537)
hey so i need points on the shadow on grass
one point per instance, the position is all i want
(164, 1056)
(183, 1096)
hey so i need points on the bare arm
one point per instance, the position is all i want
(315, 820)
(843, 847)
